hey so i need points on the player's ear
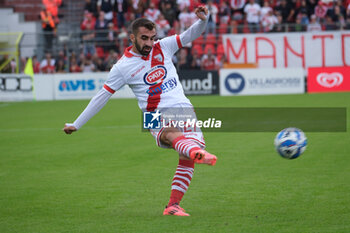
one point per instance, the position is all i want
(132, 38)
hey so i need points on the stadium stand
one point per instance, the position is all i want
(71, 36)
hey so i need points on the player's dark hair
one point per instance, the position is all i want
(142, 22)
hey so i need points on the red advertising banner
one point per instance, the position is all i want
(330, 79)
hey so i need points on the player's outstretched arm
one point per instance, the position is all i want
(95, 105)
(197, 28)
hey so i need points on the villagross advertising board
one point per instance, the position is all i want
(261, 81)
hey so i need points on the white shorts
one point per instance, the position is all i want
(192, 133)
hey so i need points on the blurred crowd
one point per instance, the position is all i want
(104, 28)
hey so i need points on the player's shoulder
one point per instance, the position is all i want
(122, 62)
(166, 41)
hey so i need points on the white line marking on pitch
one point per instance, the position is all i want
(60, 129)
(4, 105)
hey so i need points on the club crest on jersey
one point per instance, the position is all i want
(159, 57)
(155, 75)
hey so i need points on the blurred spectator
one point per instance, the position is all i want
(13, 65)
(47, 66)
(320, 12)
(61, 56)
(121, 6)
(152, 13)
(138, 7)
(234, 27)
(265, 9)
(36, 65)
(342, 10)
(91, 7)
(209, 61)
(88, 66)
(237, 7)
(88, 27)
(224, 13)
(101, 27)
(297, 26)
(184, 59)
(6, 68)
(195, 63)
(252, 11)
(314, 26)
(279, 25)
(106, 6)
(329, 24)
(112, 39)
(182, 4)
(169, 13)
(221, 61)
(48, 26)
(303, 9)
(186, 19)
(213, 10)
(98, 62)
(74, 67)
(60, 67)
(286, 10)
(163, 26)
(269, 21)
(195, 3)
(52, 7)
(347, 24)
(304, 19)
(336, 13)
(342, 23)
(311, 4)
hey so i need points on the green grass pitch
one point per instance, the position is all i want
(111, 177)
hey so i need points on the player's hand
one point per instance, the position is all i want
(201, 12)
(69, 128)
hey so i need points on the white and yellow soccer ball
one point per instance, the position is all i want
(290, 143)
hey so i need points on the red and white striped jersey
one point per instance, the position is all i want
(153, 79)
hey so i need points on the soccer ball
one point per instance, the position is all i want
(290, 143)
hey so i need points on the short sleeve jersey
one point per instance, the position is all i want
(153, 79)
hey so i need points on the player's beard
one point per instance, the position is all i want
(142, 50)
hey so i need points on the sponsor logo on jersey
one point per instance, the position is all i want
(75, 85)
(330, 80)
(163, 88)
(155, 75)
(133, 75)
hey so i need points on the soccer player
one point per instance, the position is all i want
(137, 68)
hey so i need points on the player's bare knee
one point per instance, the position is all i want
(169, 135)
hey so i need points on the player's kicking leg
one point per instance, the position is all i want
(189, 153)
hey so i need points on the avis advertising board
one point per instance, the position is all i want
(261, 81)
(330, 79)
(84, 86)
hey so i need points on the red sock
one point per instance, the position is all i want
(181, 181)
(184, 146)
